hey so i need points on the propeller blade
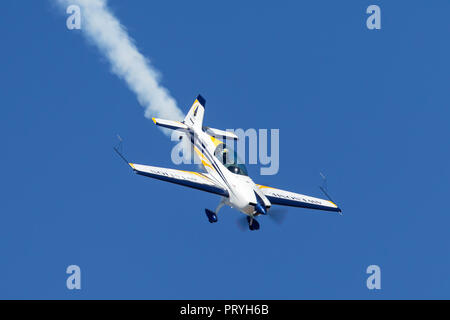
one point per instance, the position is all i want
(242, 223)
(278, 215)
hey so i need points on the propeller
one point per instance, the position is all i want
(278, 214)
(242, 223)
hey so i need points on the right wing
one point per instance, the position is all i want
(196, 180)
(287, 198)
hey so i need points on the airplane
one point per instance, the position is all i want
(225, 175)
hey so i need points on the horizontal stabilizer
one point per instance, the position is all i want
(170, 124)
(220, 133)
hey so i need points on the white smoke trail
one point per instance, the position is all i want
(104, 30)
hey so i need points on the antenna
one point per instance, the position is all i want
(324, 188)
(119, 145)
(119, 149)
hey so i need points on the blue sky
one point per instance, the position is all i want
(368, 108)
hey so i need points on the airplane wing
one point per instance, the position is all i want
(286, 198)
(190, 179)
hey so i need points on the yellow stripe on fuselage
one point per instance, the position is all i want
(205, 161)
(216, 141)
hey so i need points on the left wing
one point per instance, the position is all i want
(190, 179)
(286, 198)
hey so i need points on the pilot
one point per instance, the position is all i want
(235, 169)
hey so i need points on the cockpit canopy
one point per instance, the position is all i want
(230, 160)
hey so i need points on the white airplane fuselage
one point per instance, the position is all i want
(243, 192)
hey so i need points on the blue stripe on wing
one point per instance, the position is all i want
(187, 183)
(300, 204)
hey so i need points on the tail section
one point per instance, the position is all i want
(194, 117)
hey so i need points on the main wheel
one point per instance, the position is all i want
(252, 224)
(212, 216)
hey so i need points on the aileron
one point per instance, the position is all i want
(190, 179)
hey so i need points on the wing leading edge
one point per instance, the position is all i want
(196, 180)
(287, 198)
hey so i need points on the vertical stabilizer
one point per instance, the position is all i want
(194, 117)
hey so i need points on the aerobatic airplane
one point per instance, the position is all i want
(226, 176)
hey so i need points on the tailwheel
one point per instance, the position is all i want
(252, 223)
(212, 216)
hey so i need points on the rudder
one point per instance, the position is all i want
(195, 115)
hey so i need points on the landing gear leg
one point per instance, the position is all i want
(219, 206)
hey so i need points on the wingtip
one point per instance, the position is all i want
(154, 120)
(131, 165)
